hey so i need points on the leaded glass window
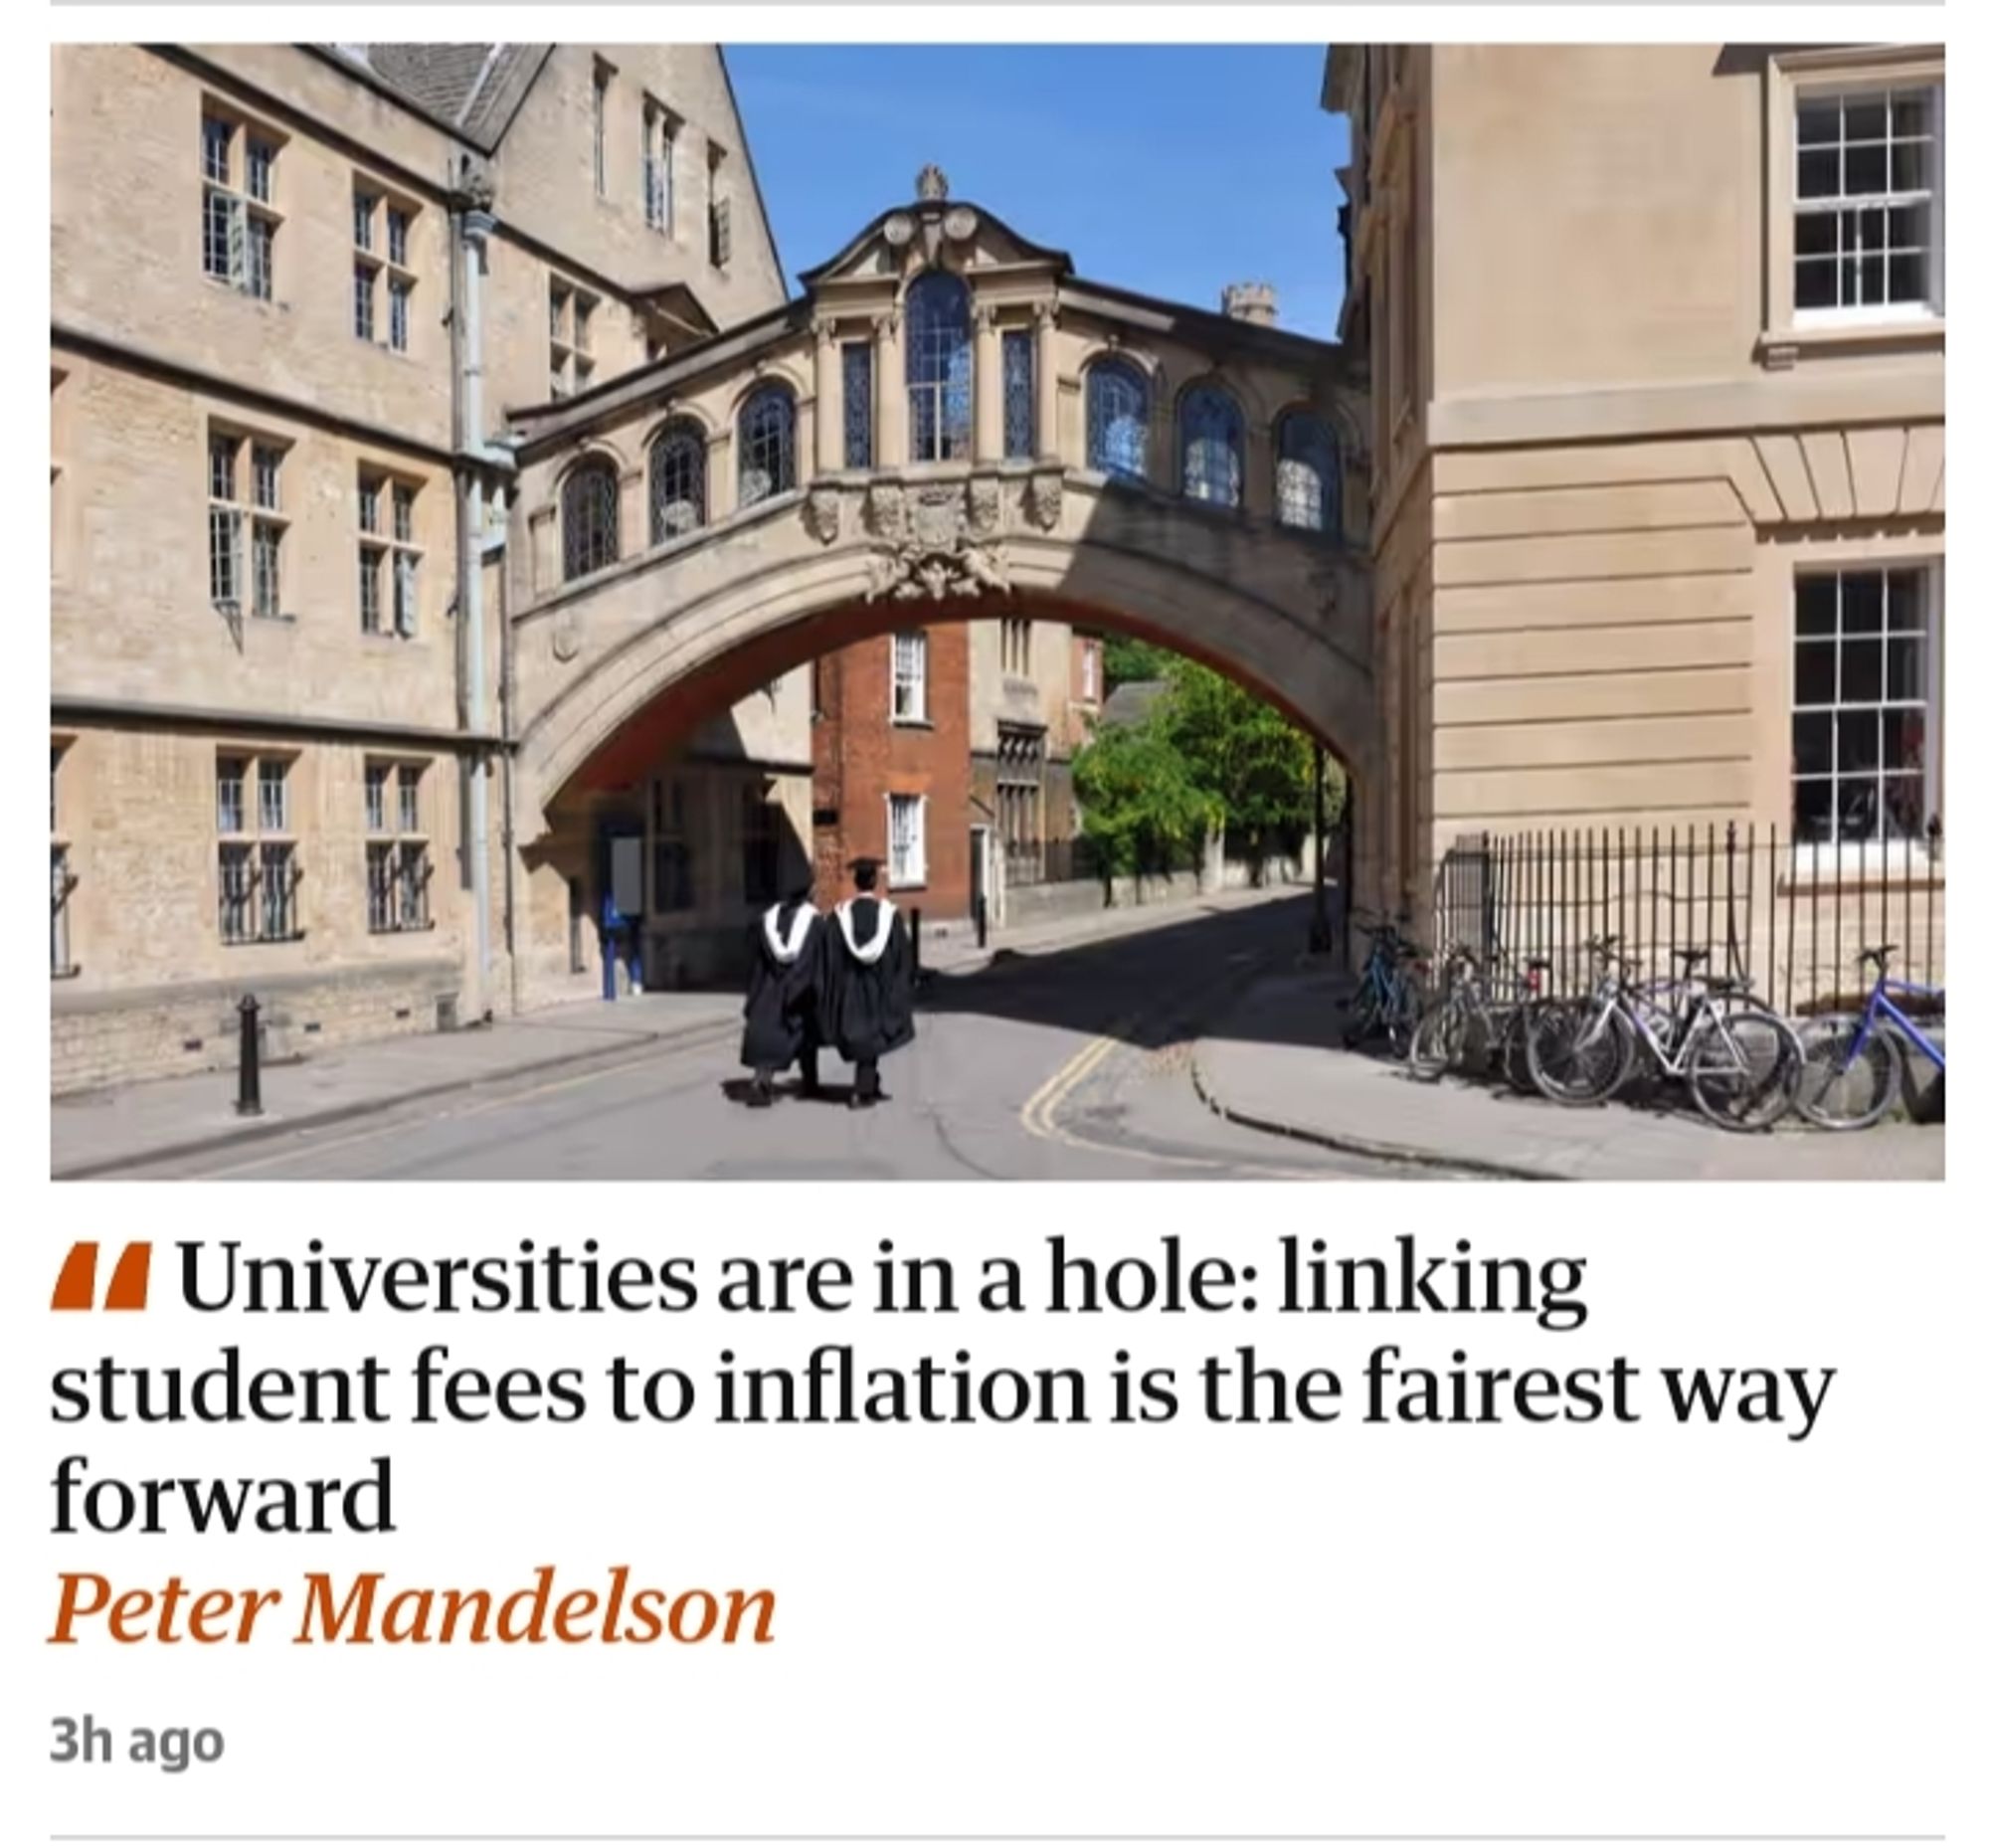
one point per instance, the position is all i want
(1116, 419)
(939, 367)
(1019, 394)
(1211, 447)
(677, 483)
(859, 402)
(766, 445)
(591, 515)
(1307, 474)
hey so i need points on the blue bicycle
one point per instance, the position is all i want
(1854, 1065)
(1389, 999)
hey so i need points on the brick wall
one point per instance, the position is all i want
(861, 758)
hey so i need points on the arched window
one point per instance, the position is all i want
(766, 445)
(939, 367)
(591, 518)
(677, 483)
(1211, 439)
(1307, 474)
(1114, 419)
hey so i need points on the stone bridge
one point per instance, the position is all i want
(946, 424)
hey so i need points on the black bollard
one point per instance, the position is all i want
(248, 1092)
(981, 923)
(917, 962)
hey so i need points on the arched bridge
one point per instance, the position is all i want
(947, 423)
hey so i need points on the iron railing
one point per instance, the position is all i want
(1789, 917)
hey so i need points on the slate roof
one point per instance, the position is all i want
(472, 88)
(1133, 704)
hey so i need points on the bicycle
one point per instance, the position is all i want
(1388, 998)
(1739, 1059)
(1854, 1065)
(1466, 1021)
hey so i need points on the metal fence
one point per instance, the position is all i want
(1787, 916)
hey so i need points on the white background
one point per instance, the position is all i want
(1346, 1630)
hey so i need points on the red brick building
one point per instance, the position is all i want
(891, 766)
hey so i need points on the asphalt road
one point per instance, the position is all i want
(1071, 1065)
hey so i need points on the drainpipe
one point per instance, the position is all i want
(476, 224)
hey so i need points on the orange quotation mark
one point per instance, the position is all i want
(75, 1287)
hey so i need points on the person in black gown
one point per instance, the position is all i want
(784, 998)
(870, 982)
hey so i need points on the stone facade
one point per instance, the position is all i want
(214, 210)
(1612, 454)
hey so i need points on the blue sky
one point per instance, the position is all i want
(1167, 169)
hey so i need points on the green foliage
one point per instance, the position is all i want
(1128, 659)
(1210, 755)
(1247, 755)
(1142, 809)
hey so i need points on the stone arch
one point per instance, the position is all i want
(755, 626)
(773, 371)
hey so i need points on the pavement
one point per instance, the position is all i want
(1273, 1062)
(180, 1122)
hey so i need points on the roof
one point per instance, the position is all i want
(922, 209)
(1131, 704)
(475, 90)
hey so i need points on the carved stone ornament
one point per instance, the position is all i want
(984, 506)
(961, 224)
(938, 515)
(822, 513)
(898, 230)
(884, 510)
(1045, 506)
(908, 571)
(932, 182)
(566, 633)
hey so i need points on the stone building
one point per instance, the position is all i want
(298, 294)
(1656, 337)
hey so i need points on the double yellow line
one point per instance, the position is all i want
(1039, 1114)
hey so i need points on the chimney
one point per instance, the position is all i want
(1251, 302)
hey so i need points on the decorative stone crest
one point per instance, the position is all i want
(961, 224)
(884, 510)
(984, 506)
(898, 229)
(932, 182)
(1045, 502)
(566, 633)
(822, 513)
(934, 543)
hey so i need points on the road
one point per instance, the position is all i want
(1071, 1065)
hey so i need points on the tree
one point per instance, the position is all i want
(1128, 659)
(1142, 809)
(1244, 753)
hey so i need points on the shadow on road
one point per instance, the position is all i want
(1120, 985)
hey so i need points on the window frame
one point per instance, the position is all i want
(62, 878)
(1209, 395)
(243, 186)
(392, 614)
(1329, 471)
(909, 690)
(660, 126)
(383, 232)
(255, 524)
(400, 865)
(678, 437)
(582, 552)
(1839, 562)
(915, 875)
(1842, 70)
(247, 850)
(946, 397)
(751, 445)
(1119, 368)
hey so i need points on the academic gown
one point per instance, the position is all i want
(870, 979)
(784, 995)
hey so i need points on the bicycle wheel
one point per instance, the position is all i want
(1363, 1012)
(1403, 1012)
(1575, 1055)
(1850, 1075)
(1744, 1069)
(1438, 1040)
